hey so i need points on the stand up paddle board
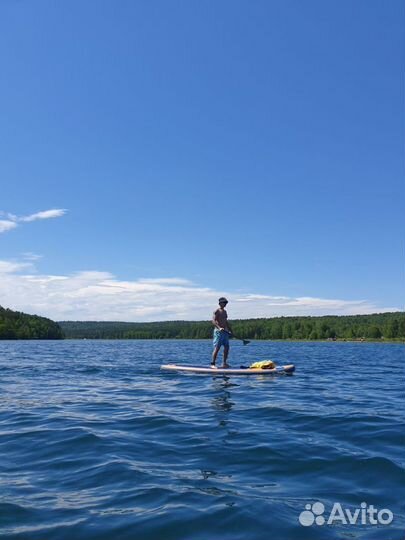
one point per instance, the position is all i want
(288, 369)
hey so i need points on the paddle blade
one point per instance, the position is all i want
(246, 342)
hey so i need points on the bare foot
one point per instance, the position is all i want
(226, 366)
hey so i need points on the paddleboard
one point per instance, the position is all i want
(229, 371)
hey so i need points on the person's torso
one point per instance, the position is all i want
(221, 317)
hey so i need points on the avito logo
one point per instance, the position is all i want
(365, 515)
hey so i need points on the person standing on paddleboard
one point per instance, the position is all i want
(222, 332)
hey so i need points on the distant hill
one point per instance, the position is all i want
(379, 326)
(17, 325)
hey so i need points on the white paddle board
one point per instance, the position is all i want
(229, 371)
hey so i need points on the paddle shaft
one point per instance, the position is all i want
(245, 341)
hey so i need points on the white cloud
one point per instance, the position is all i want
(10, 267)
(12, 220)
(167, 281)
(6, 225)
(46, 214)
(28, 256)
(94, 295)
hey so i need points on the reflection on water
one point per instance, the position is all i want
(222, 401)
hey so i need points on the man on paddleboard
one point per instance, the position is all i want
(222, 332)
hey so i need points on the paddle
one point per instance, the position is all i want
(245, 341)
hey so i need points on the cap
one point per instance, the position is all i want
(222, 299)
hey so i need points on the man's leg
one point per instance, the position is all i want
(215, 354)
(226, 353)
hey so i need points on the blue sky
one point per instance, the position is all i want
(181, 150)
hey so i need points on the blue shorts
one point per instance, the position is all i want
(220, 338)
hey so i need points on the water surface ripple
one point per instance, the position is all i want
(97, 443)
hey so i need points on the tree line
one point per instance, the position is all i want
(17, 325)
(379, 326)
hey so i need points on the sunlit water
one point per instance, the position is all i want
(97, 443)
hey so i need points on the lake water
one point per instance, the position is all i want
(97, 443)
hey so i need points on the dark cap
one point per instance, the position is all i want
(222, 299)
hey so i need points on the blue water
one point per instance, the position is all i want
(97, 443)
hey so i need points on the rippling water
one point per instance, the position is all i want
(97, 443)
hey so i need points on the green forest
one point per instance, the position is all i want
(17, 325)
(380, 326)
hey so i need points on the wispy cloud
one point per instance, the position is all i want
(7, 225)
(11, 267)
(13, 221)
(95, 295)
(28, 256)
(46, 214)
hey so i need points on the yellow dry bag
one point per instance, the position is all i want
(263, 364)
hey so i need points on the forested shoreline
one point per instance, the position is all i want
(378, 326)
(18, 325)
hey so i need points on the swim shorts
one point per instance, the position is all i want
(220, 338)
